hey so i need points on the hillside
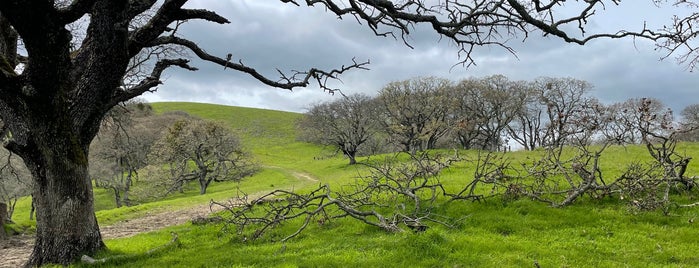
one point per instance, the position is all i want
(491, 233)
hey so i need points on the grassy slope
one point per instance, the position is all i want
(492, 233)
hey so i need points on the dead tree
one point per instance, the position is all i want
(648, 186)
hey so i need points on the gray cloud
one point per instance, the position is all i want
(267, 35)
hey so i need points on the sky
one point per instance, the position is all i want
(270, 35)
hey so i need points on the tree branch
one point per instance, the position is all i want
(151, 81)
(493, 22)
(169, 12)
(296, 79)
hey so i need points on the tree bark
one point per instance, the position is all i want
(3, 215)
(66, 223)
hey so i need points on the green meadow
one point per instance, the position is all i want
(489, 233)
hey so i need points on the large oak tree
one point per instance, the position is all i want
(53, 97)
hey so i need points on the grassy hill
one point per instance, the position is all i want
(491, 233)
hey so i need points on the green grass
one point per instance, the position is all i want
(491, 233)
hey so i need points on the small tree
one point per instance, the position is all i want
(202, 151)
(345, 124)
(15, 181)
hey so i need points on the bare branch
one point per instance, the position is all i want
(296, 79)
(412, 189)
(151, 81)
(493, 22)
(168, 13)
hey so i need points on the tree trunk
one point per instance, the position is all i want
(66, 224)
(203, 182)
(352, 156)
(117, 196)
(3, 215)
(127, 187)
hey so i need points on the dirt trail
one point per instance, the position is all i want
(16, 251)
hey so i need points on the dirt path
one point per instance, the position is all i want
(15, 252)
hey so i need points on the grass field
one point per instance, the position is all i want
(491, 233)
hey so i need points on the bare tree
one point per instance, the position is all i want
(202, 151)
(414, 112)
(121, 148)
(690, 119)
(648, 186)
(345, 124)
(483, 109)
(527, 125)
(53, 105)
(564, 99)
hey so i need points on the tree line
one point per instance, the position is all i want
(490, 113)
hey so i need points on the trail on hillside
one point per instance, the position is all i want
(16, 251)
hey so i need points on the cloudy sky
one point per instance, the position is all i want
(268, 35)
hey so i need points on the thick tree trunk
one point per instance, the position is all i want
(3, 215)
(66, 224)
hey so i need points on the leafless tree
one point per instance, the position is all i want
(527, 125)
(690, 121)
(202, 151)
(627, 119)
(414, 112)
(564, 99)
(648, 186)
(345, 124)
(54, 104)
(121, 148)
(484, 108)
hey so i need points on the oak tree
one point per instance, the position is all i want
(415, 111)
(484, 108)
(345, 124)
(202, 151)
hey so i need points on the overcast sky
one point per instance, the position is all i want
(269, 34)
